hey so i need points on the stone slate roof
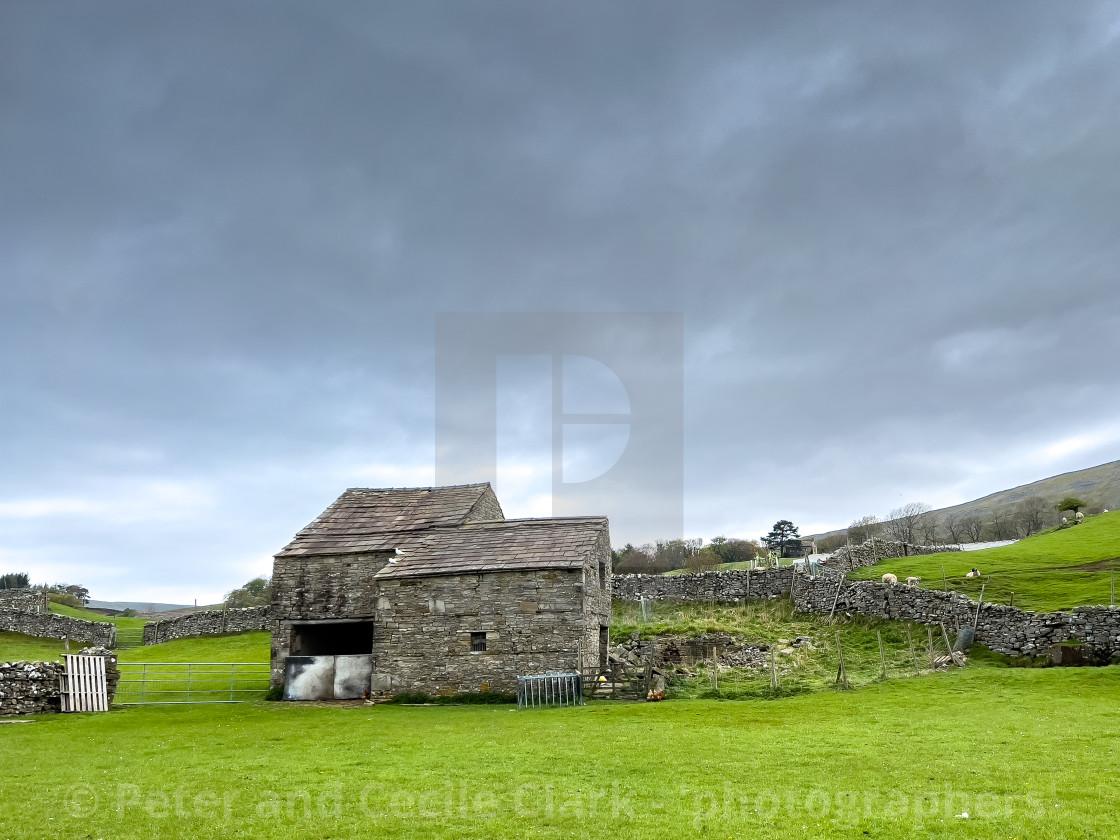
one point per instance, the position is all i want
(363, 519)
(504, 546)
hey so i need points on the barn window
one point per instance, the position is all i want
(478, 642)
(602, 574)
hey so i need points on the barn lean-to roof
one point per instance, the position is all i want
(370, 519)
(501, 546)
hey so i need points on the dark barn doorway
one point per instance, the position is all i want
(335, 638)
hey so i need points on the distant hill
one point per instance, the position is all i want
(1098, 486)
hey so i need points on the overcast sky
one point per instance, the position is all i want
(893, 231)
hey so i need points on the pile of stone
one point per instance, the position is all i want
(684, 652)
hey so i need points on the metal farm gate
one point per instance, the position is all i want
(173, 683)
(549, 690)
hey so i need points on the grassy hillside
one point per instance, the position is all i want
(1098, 486)
(121, 621)
(1025, 753)
(1055, 570)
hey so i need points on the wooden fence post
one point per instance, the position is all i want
(913, 655)
(841, 672)
(932, 664)
(839, 586)
(978, 605)
(948, 644)
(882, 655)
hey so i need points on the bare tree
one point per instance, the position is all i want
(904, 522)
(705, 560)
(973, 527)
(927, 527)
(953, 528)
(1003, 525)
(1031, 513)
(863, 529)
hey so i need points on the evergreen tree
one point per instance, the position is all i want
(783, 534)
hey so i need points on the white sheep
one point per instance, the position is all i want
(1065, 521)
(974, 573)
(1079, 516)
(913, 581)
(889, 578)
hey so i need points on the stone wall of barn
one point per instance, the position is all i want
(315, 587)
(598, 592)
(52, 626)
(208, 623)
(327, 586)
(29, 688)
(24, 600)
(533, 622)
(1004, 629)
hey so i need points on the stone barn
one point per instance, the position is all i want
(432, 590)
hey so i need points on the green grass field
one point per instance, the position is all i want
(1026, 753)
(1056, 570)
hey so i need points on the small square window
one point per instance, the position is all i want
(478, 642)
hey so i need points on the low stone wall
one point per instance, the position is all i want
(30, 688)
(1001, 628)
(24, 600)
(52, 626)
(208, 623)
(871, 552)
(731, 585)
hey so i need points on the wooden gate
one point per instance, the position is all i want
(83, 684)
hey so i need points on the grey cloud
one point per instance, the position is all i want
(225, 230)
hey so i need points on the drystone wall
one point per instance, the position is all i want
(24, 600)
(731, 585)
(29, 688)
(208, 623)
(52, 626)
(1001, 628)
(876, 549)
